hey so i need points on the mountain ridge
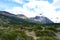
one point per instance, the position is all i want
(37, 19)
(42, 19)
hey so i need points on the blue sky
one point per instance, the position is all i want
(31, 8)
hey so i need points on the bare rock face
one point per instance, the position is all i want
(21, 16)
(42, 19)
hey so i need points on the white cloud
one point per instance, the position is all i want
(18, 1)
(19, 10)
(44, 7)
(56, 3)
(58, 15)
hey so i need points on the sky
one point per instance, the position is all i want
(32, 8)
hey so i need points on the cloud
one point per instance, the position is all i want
(50, 1)
(21, 1)
(19, 10)
(57, 3)
(42, 7)
(58, 17)
(18, 1)
(34, 7)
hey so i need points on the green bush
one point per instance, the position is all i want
(45, 33)
(47, 38)
(14, 35)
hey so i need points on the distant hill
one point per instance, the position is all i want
(42, 19)
(21, 16)
(7, 18)
(6, 13)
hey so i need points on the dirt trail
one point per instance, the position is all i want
(58, 35)
(32, 33)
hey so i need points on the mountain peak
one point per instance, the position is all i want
(21, 16)
(42, 19)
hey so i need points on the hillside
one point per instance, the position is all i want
(21, 16)
(11, 19)
(15, 28)
(7, 19)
